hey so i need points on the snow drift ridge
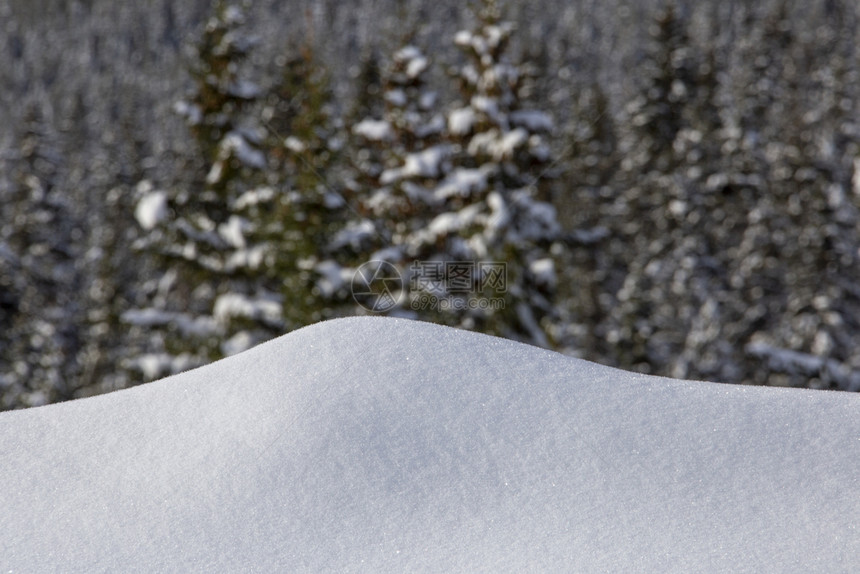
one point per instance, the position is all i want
(373, 444)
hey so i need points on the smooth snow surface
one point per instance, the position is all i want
(385, 445)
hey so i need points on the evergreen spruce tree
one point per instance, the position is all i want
(243, 246)
(366, 100)
(459, 200)
(308, 205)
(396, 162)
(503, 158)
(40, 308)
(669, 85)
(803, 241)
(591, 165)
(398, 158)
(660, 242)
(208, 301)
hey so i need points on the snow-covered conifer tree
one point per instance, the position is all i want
(660, 244)
(801, 237)
(305, 205)
(397, 156)
(39, 305)
(457, 197)
(496, 199)
(209, 302)
(396, 160)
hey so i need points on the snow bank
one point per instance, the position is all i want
(374, 445)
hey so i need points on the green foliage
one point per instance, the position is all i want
(220, 92)
(304, 146)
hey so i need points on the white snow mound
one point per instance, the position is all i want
(386, 445)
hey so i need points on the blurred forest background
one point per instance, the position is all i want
(674, 186)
